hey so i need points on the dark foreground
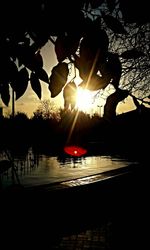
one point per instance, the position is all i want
(109, 214)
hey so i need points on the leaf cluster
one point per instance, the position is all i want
(83, 33)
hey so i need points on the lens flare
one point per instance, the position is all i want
(75, 151)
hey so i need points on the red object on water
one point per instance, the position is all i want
(75, 150)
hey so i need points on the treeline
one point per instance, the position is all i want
(127, 134)
(39, 130)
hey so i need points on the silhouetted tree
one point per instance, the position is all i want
(112, 101)
(20, 116)
(106, 40)
(46, 110)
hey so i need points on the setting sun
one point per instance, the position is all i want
(84, 99)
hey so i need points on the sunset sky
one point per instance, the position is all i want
(29, 102)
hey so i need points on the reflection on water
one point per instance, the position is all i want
(38, 169)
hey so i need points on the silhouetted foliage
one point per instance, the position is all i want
(58, 78)
(46, 110)
(112, 101)
(69, 94)
(106, 40)
(35, 84)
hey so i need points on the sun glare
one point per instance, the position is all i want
(84, 100)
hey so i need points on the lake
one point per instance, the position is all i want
(34, 169)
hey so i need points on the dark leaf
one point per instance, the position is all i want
(97, 22)
(55, 88)
(95, 39)
(35, 47)
(40, 37)
(69, 94)
(96, 3)
(86, 4)
(112, 69)
(4, 91)
(94, 83)
(27, 41)
(93, 50)
(114, 24)
(65, 46)
(86, 26)
(35, 84)
(9, 70)
(58, 78)
(42, 75)
(69, 89)
(38, 60)
(28, 57)
(84, 66)
(60, 49)
(111, 4)
(135, 11)
(12, 71)
(72, 43)
(132, 54)
(21, 82)
(25, 56)
(93, 47)
(77, 23)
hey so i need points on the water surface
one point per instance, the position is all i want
(33, 169)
